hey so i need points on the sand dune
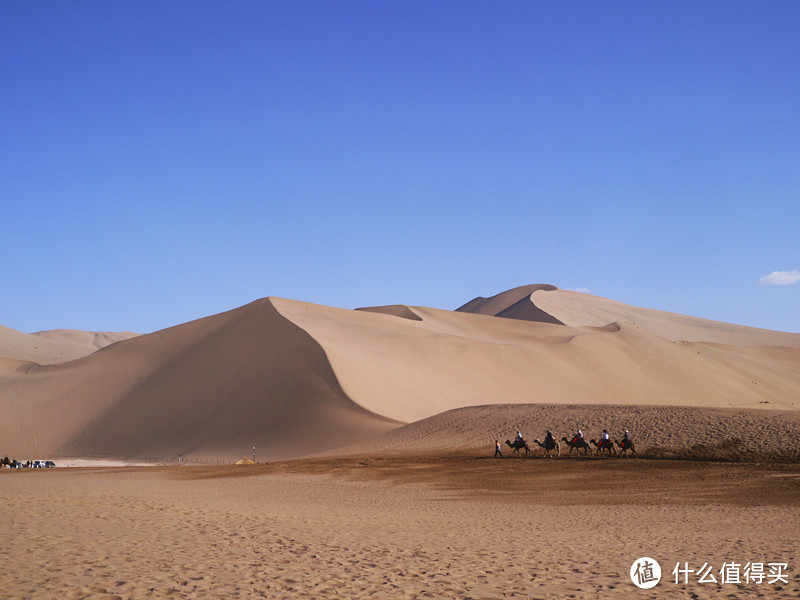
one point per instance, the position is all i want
(55, 346)
(295, 378)
(576, 309)
(404, 404)
(412, 370)
(547, 304)
(210, 388)
(513, 304)
(658, 431)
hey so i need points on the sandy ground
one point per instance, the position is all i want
(403, 527)
(100, 462)
(658, 431)
(413, 511)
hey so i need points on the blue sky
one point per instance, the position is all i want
(164, 161)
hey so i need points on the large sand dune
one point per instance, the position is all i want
(411, 370)
(295, 378)
(213, 388)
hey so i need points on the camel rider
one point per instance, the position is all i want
(626, 439)
(605, 437)
(519, 437)
(578, 437)
(549, 439)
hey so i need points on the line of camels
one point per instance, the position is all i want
(602, 447)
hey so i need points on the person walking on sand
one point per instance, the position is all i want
(497, 451)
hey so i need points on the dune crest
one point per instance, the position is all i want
(212, 387)
(577, 309)
(395, 310)
(512, 304)
(410, 370)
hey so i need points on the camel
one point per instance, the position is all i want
(519, 444)
(576, 445)
(625, 447)
(603, 446)
(547, 446)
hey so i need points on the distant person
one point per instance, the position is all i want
(497, 450)
(519, 436)
(578, 437)
(604, 437)
(549, 439)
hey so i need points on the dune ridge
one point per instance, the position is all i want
(512, 304)
(212, 387)
(413, 370)
(577, 309)
(397, 310)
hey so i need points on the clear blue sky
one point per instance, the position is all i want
(164, 161)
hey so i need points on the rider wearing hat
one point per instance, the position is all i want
(578, 437)
(626, 439)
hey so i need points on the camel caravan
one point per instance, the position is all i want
(605, 446)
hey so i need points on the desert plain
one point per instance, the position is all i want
(374, 431)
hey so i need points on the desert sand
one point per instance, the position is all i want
(406, 527)
(670, 432)
(395, 410)
(293, 378)
(55, 346)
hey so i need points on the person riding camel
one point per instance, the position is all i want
(626, 439)
(519, 437)
(578, 437)
(549, 440)
(604, 437)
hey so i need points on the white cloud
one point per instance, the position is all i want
(781, 278)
